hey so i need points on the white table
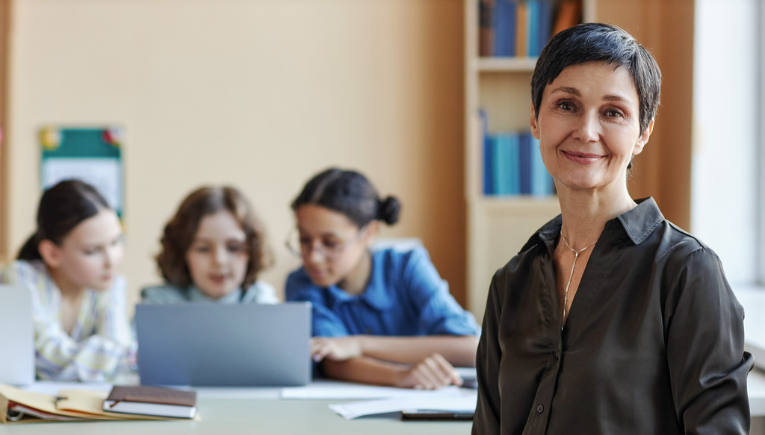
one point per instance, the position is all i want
(261, 411)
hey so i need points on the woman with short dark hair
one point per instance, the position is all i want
(610, 320)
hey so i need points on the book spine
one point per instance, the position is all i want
(521, 33)
(497, 171)
(513, 175)
(532, 28)
(545, 21)
(524, 152)
(541, 181)
(513, 32)
(487, 154)
(485, 27)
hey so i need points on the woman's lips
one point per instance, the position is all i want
(316, 273)
(584, 158)
(217, 279)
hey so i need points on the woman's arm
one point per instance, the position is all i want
(705, 348)
(457, 350)
(488, 408)
(431, 373)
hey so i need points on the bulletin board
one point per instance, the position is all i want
(92, 155)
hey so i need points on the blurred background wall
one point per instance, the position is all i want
(257, 94)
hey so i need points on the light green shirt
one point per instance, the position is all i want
(259, 293)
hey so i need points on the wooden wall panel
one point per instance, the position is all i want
(663, 170)
(5, 27)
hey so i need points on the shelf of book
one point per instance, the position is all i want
(505, 64)
(497, 113)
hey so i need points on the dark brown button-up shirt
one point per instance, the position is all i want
(654, 342)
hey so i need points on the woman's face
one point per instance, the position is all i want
(588, 126)
(218, 256)
(91, 254)
(331, 245)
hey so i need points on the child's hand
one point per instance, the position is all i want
(335, 348)
(431, 373)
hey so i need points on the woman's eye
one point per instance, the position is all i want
(565, 105)
(305, 241)
(330, 244)
(202, 249)
(236, 249)
(613, 113)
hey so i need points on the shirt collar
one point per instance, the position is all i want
(196, 295)
(375, 295)
(638, 223)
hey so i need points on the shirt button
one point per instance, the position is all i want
(540, 409)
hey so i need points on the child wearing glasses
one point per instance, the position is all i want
(380, 317)
(212, 251)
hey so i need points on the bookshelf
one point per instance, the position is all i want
(497, 226)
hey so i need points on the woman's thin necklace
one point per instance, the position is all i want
(576, 257)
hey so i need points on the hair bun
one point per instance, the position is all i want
(389, 210)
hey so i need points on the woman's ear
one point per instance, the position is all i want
(643, 139)
(50, 253)
(534, 123)
(371, 233)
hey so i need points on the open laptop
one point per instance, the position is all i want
(224, 345)
(17, 363)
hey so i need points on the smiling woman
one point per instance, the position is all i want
(608, 331)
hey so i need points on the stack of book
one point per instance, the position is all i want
(521, 28)
(123, 403)
(512, 165)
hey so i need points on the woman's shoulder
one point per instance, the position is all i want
(392, 259)
(19, 269)
(163, 294)
(299, 286)
(32, 274)
(676, 246)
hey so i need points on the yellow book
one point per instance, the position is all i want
(522, 33)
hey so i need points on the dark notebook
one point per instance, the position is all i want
(165, 402)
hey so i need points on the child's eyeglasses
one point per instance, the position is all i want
(303, 247)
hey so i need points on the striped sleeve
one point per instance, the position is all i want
(105, 348)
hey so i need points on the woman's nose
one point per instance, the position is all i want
(588, 129)
(219, 256)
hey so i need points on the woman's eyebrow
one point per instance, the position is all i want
(568, 90)
(615, 98)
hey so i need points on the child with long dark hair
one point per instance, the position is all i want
(70, 265)
(382, 317)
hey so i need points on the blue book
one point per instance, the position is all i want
(532, 28)
(541, 181)
(545, 23)
(497, 170)
(524, 153)
(511, 164)
(504, 28)
(488, 188)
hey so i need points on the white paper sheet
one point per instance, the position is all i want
(464, 403)
(52, 388)
(345, 390)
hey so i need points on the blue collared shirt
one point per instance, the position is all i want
(405, 297)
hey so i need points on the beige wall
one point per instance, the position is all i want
(258, 94)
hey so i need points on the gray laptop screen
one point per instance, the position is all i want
(225, 345)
